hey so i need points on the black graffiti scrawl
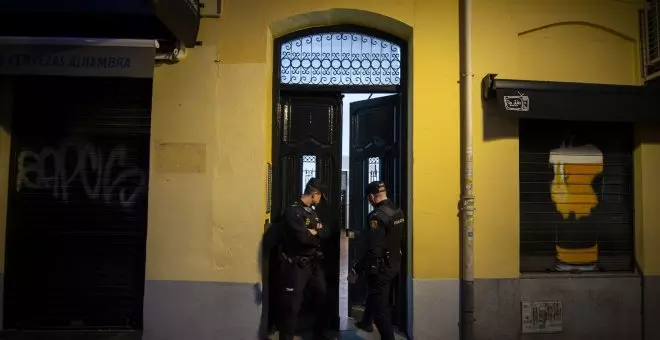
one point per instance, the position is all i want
(104, 175)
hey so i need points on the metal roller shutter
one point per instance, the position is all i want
(576, 200)
(78, 203)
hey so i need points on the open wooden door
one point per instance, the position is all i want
(306, 144)
(376, 154)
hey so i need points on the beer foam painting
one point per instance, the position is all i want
(575, 169)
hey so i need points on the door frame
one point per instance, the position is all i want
(404, 90)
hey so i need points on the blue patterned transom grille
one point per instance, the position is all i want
(340, 59)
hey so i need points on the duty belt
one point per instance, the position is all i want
(379, 264)
(302, 260)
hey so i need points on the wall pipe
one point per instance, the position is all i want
(467, 196)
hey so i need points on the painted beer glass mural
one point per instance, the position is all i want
(575, 169)
(575, 196)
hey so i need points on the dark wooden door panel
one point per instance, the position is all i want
(376, 154)
(307, 143)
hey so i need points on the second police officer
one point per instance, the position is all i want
(381, 262)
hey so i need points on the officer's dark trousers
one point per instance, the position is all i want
(294, 281)
(378, 307)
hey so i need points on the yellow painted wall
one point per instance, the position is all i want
(647, 193)
(207, 225)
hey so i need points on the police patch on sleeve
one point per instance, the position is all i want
(373, 224)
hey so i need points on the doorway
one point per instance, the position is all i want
(340, 114)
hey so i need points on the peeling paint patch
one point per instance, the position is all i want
(221, 250)
(181, 158)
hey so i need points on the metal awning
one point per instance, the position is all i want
(77, 57)
(167, 20)
(569, 101)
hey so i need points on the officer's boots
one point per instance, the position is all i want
(365, 326)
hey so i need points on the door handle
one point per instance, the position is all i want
(350, 233)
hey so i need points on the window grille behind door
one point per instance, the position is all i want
(374, 175)
(650, 22)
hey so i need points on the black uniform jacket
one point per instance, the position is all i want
(386, 230)
(298, 241)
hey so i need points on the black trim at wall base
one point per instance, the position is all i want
(570, 101)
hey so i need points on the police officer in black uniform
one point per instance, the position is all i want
(382, 261)
(301, 261)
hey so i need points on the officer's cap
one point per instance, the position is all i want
(374, 188)
(315, 184)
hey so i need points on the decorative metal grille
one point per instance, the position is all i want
(340, 59)
(374, 169)
(308, 169)
(653, 31)
(374, 173)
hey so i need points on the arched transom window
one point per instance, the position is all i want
(340, 59)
